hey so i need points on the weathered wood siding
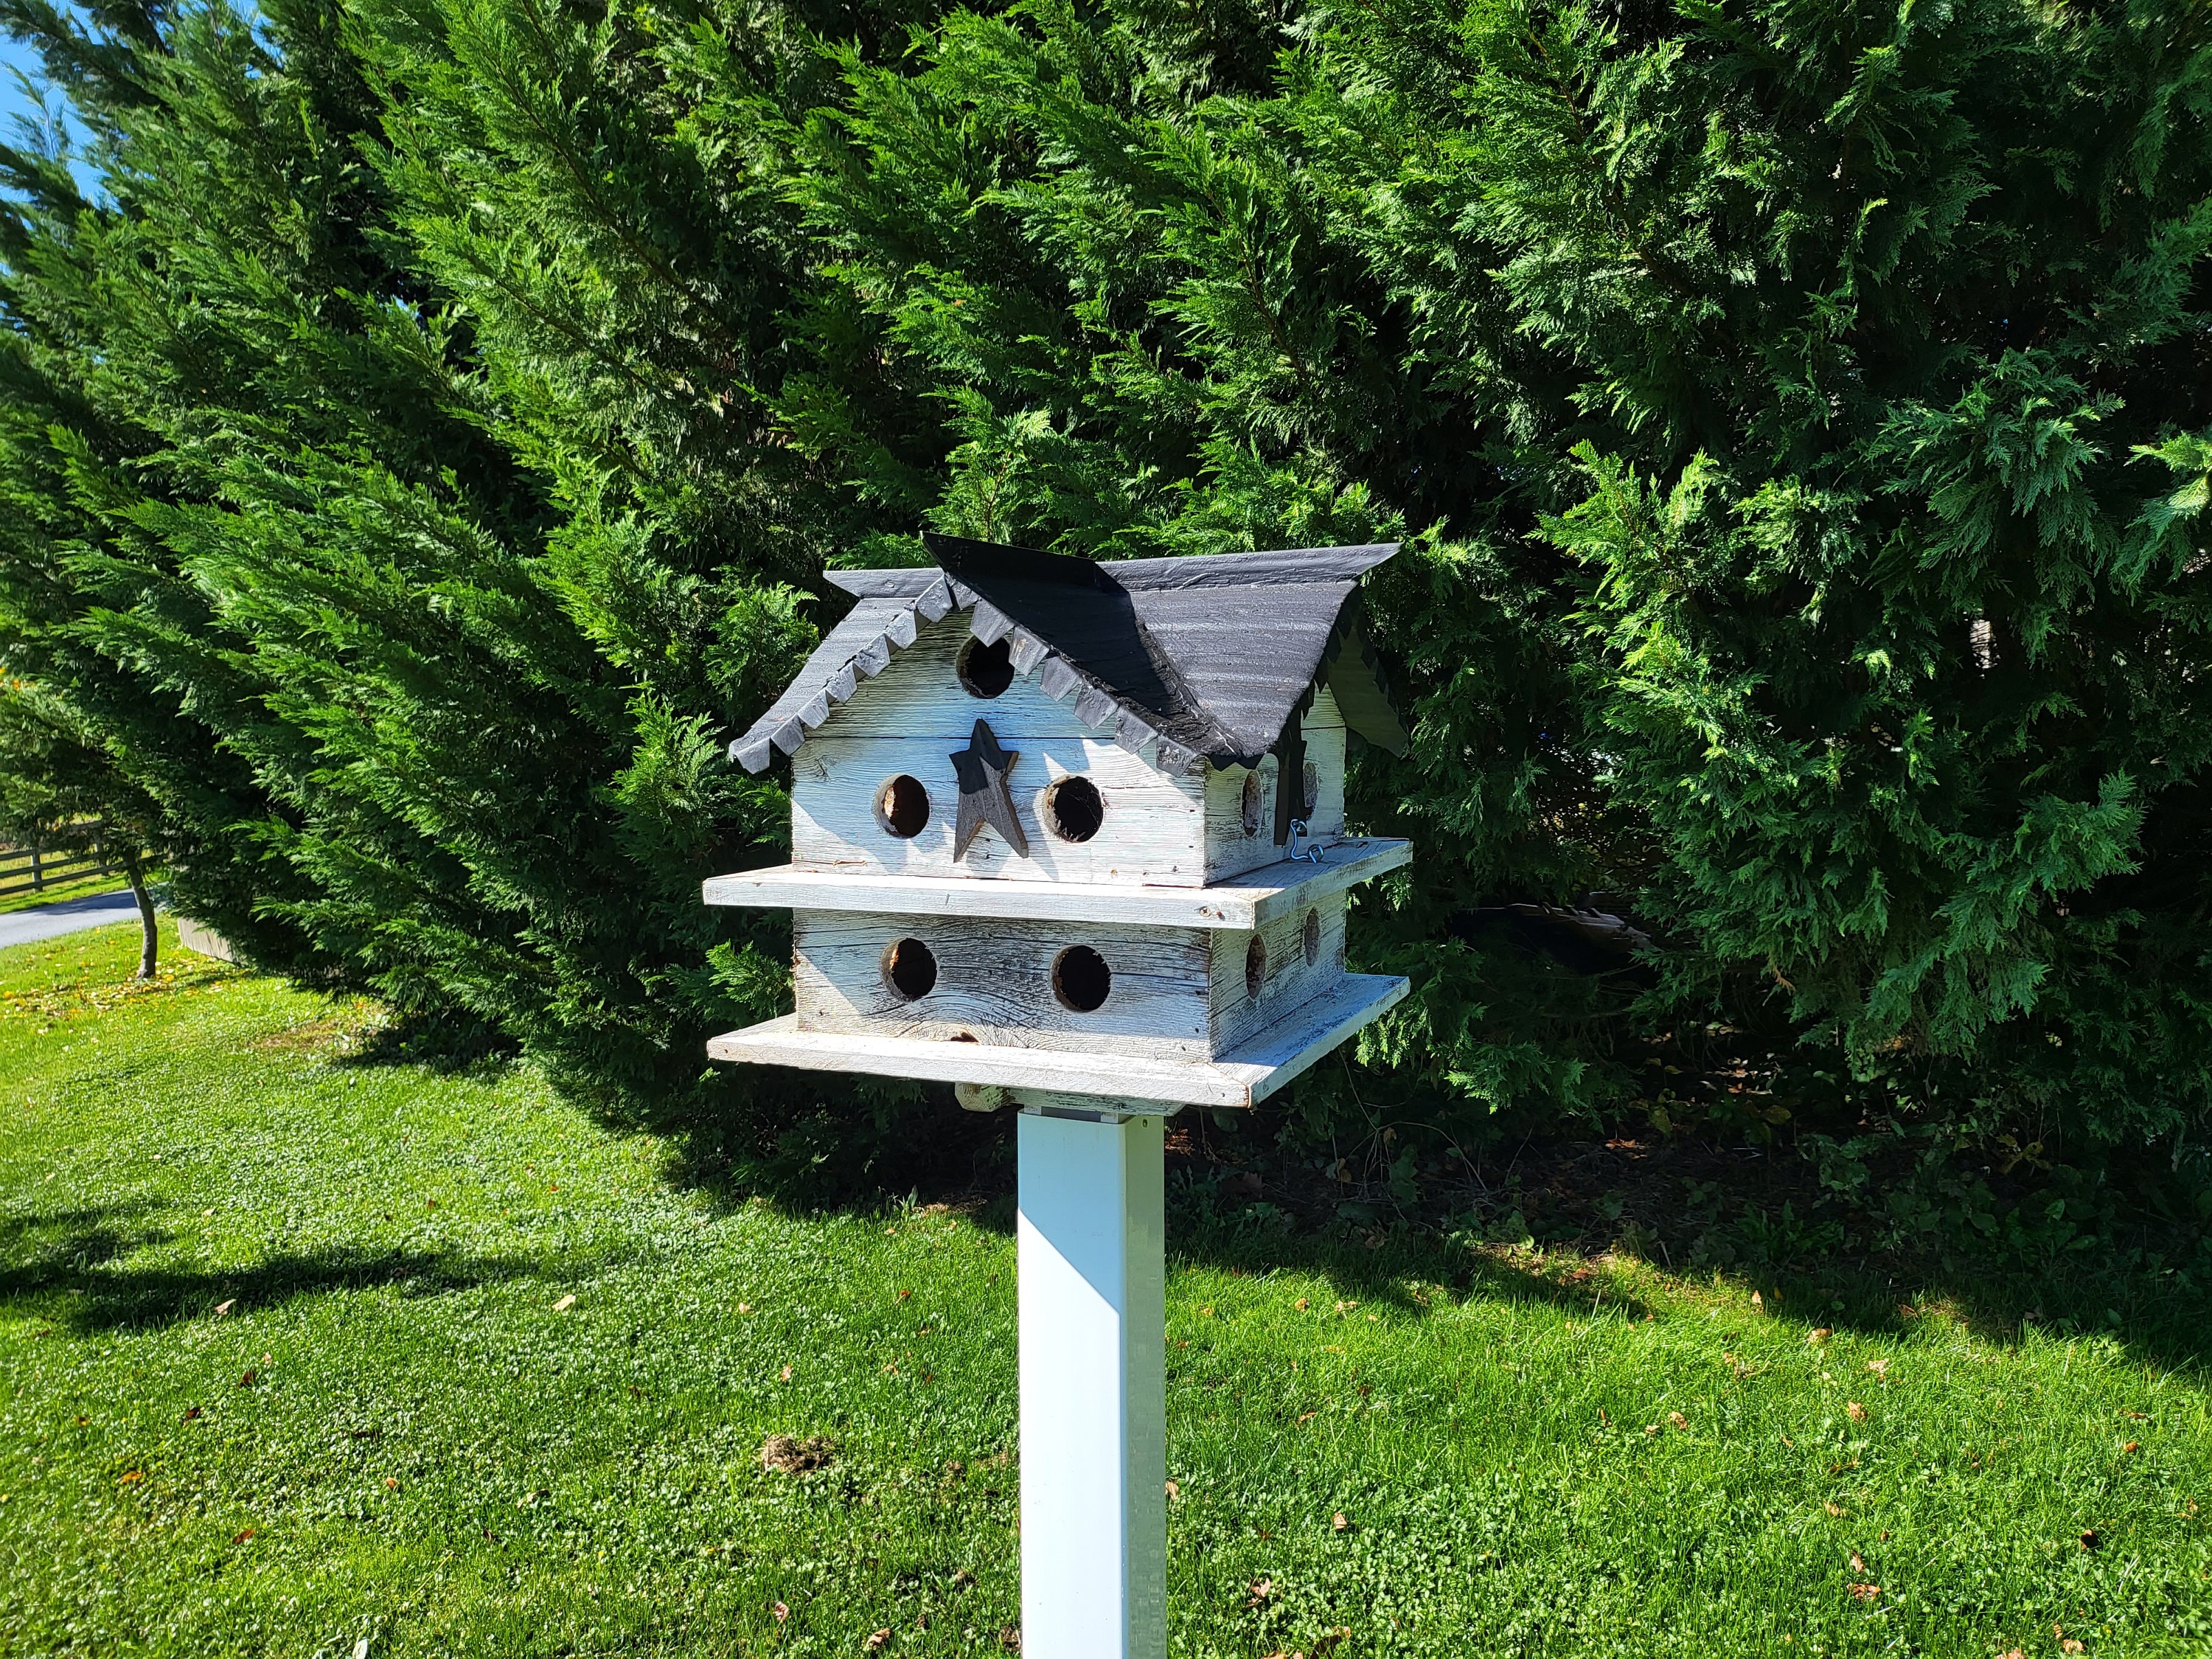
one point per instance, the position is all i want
(1175, 831)
(995, 983)
(1290, 980)
(1231, 849)
(1153, 830)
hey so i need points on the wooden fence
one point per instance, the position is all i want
(29, 870)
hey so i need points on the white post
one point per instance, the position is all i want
(1094, 1386)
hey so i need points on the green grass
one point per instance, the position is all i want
(401, 1429)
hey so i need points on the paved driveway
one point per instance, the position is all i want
(50, 920)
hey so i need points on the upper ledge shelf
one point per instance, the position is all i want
(1246, 901)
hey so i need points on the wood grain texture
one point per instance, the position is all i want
(1230, 848)
(1247, 1074)
(918, 694)
(1153, 831)
(995, 983)
(1290, 981)
(1244, 902)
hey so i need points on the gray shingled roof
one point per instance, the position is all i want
(1206, 658)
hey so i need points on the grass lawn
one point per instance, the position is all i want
(300, 1350)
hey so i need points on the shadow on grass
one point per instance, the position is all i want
(65, 1266)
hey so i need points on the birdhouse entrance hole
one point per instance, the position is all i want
(1081, 979)
(903, 807)
(986, 670)
(1311, 938)
(1255, 966)
(1312, 789)
(1252, 802)
(1074, 809)
(910, 969)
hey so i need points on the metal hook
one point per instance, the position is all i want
(1312, 854)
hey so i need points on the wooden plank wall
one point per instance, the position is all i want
(1179, 831)
(1289, 981)
(995, 983)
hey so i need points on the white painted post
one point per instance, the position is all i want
(1092, 1264)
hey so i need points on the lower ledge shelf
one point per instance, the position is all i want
(1245, 1075)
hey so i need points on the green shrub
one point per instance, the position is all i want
(425, 448)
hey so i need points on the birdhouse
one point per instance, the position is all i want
(1071, 836)
(1060, 825)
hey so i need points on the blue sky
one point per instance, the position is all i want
(14, 102)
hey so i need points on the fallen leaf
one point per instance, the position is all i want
(1260, 1590)
(2015, 1654)
(1339, 1521)
(1757, 1300)
(1301, 1305)
(962, 1577)
(1305, 1417)
(245, 1380)
(243, 1536)
(2089, 1538)
(223, 1307)
(2132, 1445)
(1864, 1592)
(1009, 1638)
(391, 1483)
(905, 1295)
(784, 1375)
(783, 1455)
(1329, 1639)
(1856, 1412)
(1678, 1419)
(1174, 1491)
(190, 1411)
(877, 1640)
(2070, 1645)
(746, 1308)
(564, 1304)
(1650, 1428)
(1879, 1367)
(135, 1474)
(1833, 1509)
(1858, 1565)
(1819, 1336)
(780, 1612)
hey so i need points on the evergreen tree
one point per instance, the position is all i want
(1803, 410)
(423, 453)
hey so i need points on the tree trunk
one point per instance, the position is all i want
(151, 933)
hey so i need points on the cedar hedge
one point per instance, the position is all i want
(425, 423)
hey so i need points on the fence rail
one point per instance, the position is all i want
(32, 870)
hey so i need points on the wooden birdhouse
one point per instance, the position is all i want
(1070, 835)
(1072, 826)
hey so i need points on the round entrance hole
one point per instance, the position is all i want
(910, 969)
(1310, 937)
(1081, 979)
(902, 807)
(1313, 791)
(1255, 966)
(1074, 809)
(1254, 798)
(986, 670)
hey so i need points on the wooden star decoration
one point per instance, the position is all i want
(981, 768)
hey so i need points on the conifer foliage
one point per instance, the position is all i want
(422, 450)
